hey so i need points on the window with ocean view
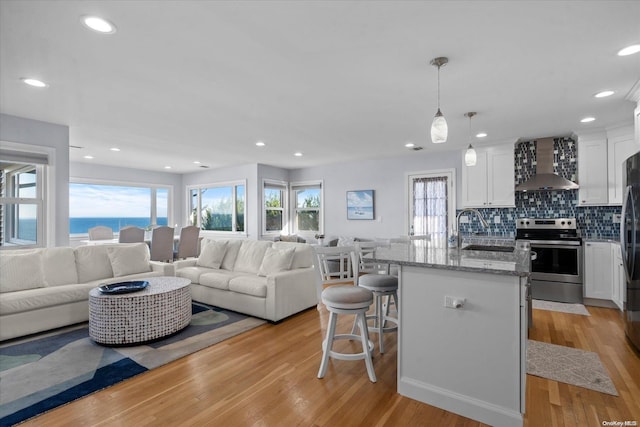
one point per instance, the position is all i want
(218, 207)
(116, 206)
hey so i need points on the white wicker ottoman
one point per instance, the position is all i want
(162, 308)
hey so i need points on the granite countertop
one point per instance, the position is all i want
(428, 255)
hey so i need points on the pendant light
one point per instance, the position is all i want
(470, 157)
(439, 129)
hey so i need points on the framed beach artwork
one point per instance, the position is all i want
(360, 204)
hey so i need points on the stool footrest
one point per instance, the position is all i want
(347, 356)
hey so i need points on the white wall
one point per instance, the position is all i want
(388, 179)
(34, 132)
(134, 176)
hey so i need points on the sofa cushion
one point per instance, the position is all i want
(21, 270)
(249, 285)
(276, 260)
(250, 256)
(129, 259)
(303, 256)
(212, 253)
(59, 266)
(93, 263)
(217, 279)
(229, 260)
(192, 273)
(33, 299)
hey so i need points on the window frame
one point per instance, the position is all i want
(153, 214)
(234, 192)
(451, 196)
(284, 208)
(293, 188)
(44, 164)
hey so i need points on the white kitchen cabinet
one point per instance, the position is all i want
(490, 182)
(618, 279)
(620, 146)
(592, 169)
(598, 265)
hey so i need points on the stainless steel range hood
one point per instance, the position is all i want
(545, 179)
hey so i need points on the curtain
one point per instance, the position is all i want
(430, 207)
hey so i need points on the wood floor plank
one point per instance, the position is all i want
(267, 377)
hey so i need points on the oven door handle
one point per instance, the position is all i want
(552, 244)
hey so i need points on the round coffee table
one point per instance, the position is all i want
(161, 309)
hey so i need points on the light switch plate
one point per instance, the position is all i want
(616, 218)
(464, 219)
(496, 219)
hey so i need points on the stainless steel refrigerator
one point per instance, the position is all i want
(630, 243)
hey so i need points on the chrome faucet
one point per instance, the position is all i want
(477, 212)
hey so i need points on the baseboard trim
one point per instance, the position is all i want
(465, 406)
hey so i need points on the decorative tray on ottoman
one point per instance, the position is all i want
(123, 287)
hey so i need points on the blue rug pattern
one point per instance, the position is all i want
(44, 373)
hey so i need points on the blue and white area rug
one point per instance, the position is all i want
(50, 370)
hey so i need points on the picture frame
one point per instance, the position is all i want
(360, 205)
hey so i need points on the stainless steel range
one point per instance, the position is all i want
(556, 272)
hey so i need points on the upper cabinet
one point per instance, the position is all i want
(592, 169)
(490, 182)
(600, 158)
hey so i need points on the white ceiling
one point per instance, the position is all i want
(336, 80)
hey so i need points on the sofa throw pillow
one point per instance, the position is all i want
(129, 259)
(212, 253)
(19, 272)
(276, 260)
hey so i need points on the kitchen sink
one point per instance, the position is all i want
(492, 248)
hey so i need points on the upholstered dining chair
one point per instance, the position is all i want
(341, 298)
(162, 244)
(188, 243)
(131, 234)
(100, 232)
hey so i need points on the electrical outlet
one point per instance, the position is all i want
(496, 219)
(464, 219)
(454, 302)
(617, 218)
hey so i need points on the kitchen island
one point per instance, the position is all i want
(463, 328)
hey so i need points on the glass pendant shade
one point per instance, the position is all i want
(439, 129)
(470, 157)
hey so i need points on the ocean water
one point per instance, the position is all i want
(360, 213)
(82, 225)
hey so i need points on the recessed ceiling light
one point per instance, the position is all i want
(114, 149)
(297, 154)
(88, 157)
(260, 144)
(98, 24)
(34, 82)
(409, 145)
(167, 167)
(481, 135)
(604, 94)
(587, 119)
(196, 162)
(629, 50)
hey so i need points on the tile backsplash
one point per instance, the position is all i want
(595, 222)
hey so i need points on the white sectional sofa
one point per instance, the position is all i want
(42, 289)
(270, 280)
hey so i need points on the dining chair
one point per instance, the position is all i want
(131, 234)
(339, 297)
(384, 287)
(188, 243)
(100, 232)
(162, 244)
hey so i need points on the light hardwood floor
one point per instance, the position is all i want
(267, 377)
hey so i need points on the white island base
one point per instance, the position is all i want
(469, 360)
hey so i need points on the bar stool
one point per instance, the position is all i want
(383, 286)
(339, 265)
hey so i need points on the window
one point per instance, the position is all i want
(219, 207)
(116, 206)
(307, 208)
(431, 205)
(274, 218)
(22, 196)
(22, 205)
